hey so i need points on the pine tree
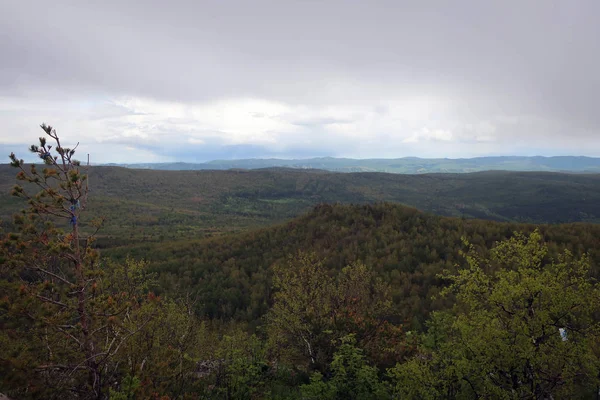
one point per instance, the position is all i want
(65, 313)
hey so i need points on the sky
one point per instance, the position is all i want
(158, 81)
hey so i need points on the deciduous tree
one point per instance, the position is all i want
(524, 326)
(313, 308)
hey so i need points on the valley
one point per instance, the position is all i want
(154, 205)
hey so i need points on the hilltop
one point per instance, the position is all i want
(407, 248)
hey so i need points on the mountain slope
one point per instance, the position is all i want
(157, 205)
(407, 248)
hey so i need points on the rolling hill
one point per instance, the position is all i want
(153, 205)
(406, 165)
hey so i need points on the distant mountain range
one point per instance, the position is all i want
(407, 165)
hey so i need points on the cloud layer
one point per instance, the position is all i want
(200, 80)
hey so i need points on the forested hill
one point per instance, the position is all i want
(407, 248)
(342, 285)
(158, 205)
(275, 195)
(406, 165)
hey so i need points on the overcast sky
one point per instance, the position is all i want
(199, 80)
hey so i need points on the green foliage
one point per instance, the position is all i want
(145, 206)
(311, 310)
(166, 350)
(405, 248)
(129, 386)
(502, 340)
(65, 313)
(300, 318)
(351, 377)
(243, 366)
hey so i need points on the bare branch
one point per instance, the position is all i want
(47, 300)
(54, 276)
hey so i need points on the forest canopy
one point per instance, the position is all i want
(363, 301)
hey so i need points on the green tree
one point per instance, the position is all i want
(503, 337)
(313, 308)
(351, 377)
(242, 372)
(65, 313)
(165, 354)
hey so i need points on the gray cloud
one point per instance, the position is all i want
(523, 75)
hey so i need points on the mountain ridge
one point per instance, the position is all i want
(404, 165)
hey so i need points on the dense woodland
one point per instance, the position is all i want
(229, 294)
(148, 205)
(403, 246)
